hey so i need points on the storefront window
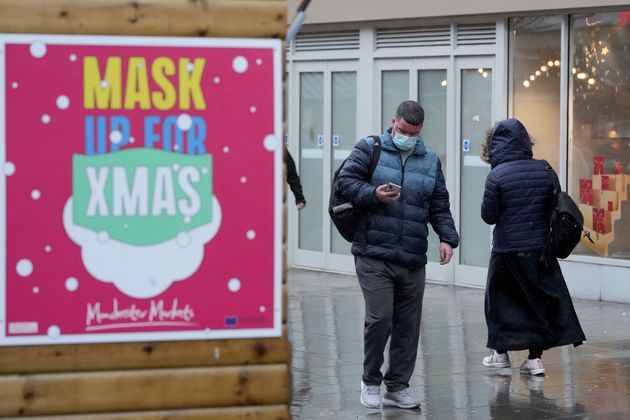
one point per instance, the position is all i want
(432, 97)
(599, 129)
(395, 90)
(535, 81)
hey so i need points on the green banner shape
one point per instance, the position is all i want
(142, 196)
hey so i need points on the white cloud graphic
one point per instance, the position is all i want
(142, 271)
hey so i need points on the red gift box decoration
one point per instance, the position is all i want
(598, 165)
(610, 206)
(605, 182)
(586, 191)
(598, 220)
(618, 168)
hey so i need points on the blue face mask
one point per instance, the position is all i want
(403, 142)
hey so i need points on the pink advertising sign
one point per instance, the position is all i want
(140, 189)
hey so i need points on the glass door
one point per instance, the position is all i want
(475, 111)
(321, 135)
(426, 81)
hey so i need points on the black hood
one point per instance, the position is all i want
(509, 141)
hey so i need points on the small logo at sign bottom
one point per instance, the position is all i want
(23, 328)
(230, 321)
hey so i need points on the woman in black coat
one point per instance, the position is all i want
(527, 302)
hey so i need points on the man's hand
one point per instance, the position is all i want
(385, 195)
(300, 206)
(446, 252)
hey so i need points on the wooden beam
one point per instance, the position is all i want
(151, 389)
(220, 18)
(285, 262)
(258, 412)
(167, 354)
(285, 221)
(285, 303)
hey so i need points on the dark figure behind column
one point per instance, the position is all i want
(293, 179)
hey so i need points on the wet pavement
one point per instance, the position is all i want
(325, 326)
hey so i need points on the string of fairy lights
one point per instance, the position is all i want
(590, 62)
(543, 71)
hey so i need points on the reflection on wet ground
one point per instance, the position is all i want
(325, 327)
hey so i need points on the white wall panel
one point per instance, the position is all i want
(329, 11)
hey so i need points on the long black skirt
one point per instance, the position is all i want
(528, 304)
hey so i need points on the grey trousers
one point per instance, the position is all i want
(393, 306)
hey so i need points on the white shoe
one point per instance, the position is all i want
(400, 399)
(533, 367)
(497, 360)
(370, 395)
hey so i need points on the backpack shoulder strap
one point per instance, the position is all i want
(556, 189)
(376, 154)
(554, 177)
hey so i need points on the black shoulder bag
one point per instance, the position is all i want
(566, 222)
(342, 213)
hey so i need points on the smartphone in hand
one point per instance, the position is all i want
(393, 187)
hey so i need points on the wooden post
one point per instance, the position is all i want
(216, 18)
(221, 379)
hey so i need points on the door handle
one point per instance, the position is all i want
(320, 140)
(335, 140)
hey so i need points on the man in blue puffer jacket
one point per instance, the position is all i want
(390, 247)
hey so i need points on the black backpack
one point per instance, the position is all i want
(566, 222)
(342, 213)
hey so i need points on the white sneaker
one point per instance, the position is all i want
(533, 367)
(370, 395)
(497, 360)
(400, 399)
